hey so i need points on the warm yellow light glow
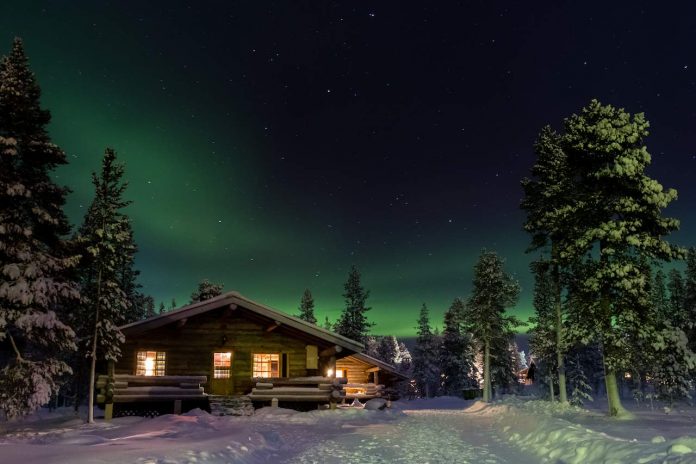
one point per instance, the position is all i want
(339, 374)
(329, 373)
(149, 366)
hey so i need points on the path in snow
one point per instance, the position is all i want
(423, 436)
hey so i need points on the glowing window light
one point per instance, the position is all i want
(150, 363)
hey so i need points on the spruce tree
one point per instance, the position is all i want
(327, 323)
(425, 363)
(659, 299)
(548, 201)
(456, 356)
(105, 234)
(580, 389)
(205, 291)
(149, 305)
(307, 307)
(353, 322)
(35, 285)
(485, 318)
(161, 309)
(675, 286)
(618, 223)
(542, 336)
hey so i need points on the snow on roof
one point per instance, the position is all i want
(379, 363)
(235, 298)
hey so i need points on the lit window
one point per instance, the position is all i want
(150, 363)
(221, 365)
(266, 365)
(340, 373)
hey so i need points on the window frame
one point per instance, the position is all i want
(160, 363)
(270, 371)
(222, 368)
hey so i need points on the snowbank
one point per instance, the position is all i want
(556, 432)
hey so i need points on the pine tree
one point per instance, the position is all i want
(307, 307)
(388, 350)
(205, 291)
(618, 223)
(327, 323)
(689, 298)
(425, 363)
(456, 355)
(580, 389)
(485, 318)
(675, 286)
(542, 339)
(548, 201)
(659, 299)
(35, 287)
(172, 305)
(353, 323)
(105, 235)
(161, 309)
(406, 362)
(149, 306)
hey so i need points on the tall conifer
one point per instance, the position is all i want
(34, 283)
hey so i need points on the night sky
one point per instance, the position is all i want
(270, 145)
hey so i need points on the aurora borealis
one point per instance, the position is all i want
(269, 146)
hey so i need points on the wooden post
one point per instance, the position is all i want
(177, 406)
(109, 392)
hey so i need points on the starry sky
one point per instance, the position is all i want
(270, 145)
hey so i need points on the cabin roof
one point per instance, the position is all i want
(379, 363)
(235, 298)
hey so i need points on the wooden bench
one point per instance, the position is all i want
(122, 388)
(300, 389)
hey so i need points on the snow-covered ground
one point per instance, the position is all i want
(441, 430)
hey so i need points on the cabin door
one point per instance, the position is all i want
(221, 378)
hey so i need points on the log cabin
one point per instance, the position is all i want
(368, 377)
(234, 342)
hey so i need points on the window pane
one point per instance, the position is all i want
(150, 363)
(222, 362)
(266, 365)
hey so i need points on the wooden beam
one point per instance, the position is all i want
(372, 369)
(273, 326)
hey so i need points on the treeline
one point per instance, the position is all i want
(603, 312)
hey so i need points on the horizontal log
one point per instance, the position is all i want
(157, 390)
(146, 398)
(318, 398)
(160, 379)
(290, 391)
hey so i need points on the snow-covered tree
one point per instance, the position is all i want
(542, 335)
(618, 224)
(205, 291)
(406, 363)
(107, 241)
(456, 354)
(675, 286)
(548, 202)
(353, 322)
(426, 371)
(523, 359)
(484, 316)
(35, 286)
(689, 298)
(388, 350)
(659, 299)
(580, 389)
(307, 307)
(149, 305)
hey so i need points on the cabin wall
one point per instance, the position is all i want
(189, 346)
(356, 369)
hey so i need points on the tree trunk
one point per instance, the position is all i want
(487, 372)
(613, 397)
(93, 364)
(551, 391)
(563, 397)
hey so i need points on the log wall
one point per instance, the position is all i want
(189, 346)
